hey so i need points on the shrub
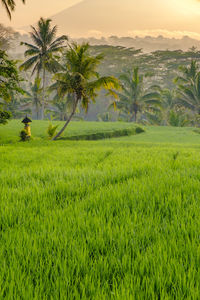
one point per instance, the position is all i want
(139, 130)
(178, 119)
(51, 130)
(108, 134)
(4, 116)
(24, 136)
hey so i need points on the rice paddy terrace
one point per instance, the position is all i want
(110, 219)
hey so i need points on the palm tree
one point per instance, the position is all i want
(61, 107)
(9, 6)
(168, 103)
(42, 51)
(134, 98)
(80, 79)
(189, 96)
(188, 74)
(33, 98)
(188, 93)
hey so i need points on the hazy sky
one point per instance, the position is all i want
(33, 10)
(153, 17)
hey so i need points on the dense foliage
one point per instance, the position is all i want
(159, 93)
(157, 73)
(9, 84)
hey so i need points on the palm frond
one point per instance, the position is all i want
(29, 63)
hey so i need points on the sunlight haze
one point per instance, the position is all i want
(33, 10)
(173, 18)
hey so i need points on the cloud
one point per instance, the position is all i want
(94, 33)
(166, 33)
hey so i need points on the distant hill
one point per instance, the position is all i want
(121, 17)
(147, 44)
(111, 19)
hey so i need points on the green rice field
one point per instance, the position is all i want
(111, 219)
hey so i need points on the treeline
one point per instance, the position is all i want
(74, 79)
(59, 78)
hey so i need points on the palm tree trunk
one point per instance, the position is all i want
(68, 120)
(135, 117)
(43, 94)
(135, 111)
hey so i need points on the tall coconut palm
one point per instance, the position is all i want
(188, 92)
(42, 51)
(32, 100)
(80, 79)
(189, 96)
(9, 6)
(134, 98)
(168, 103)
(188, 74)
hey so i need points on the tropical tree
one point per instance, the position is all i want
(167, 103)
(7, 36)
(171, 112)
(9, 84)
(188, 92)
(9, 5)
(13, 106)
(9, 77)
(134, 98)
(81, 79)
(33, 99)
(187, 73)
(61, 107)
(42, 53)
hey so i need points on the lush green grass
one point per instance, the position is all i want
(111, 219)
(10, 132)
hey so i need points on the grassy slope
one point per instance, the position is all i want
(112, 219)
(154, 134)
(10, 132)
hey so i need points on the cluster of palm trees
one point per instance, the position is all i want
(188, 94)
(67, 72)
(134, 99)
(71, 69)
(157, 105)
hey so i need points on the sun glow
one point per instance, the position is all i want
(171, 18)
(188, 7)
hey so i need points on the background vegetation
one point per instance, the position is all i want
(159, 68)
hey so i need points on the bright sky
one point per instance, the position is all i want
(34, 9)
(173, 17)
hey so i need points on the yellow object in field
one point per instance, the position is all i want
(27, 127)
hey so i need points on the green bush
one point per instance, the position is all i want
(4, 116)
(107, 134)
(178, 119)
(24, 136)
(51, 130)
(139, 130)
